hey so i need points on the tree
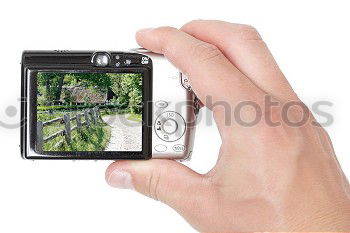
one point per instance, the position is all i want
(53, 83)
(128, 89)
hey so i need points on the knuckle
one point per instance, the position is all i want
(204, 51)
(247, 32)
(166, 35)
(154, 185)
(166, 29)
(191, 23)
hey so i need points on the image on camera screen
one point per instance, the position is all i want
(89, 111)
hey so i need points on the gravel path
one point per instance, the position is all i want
(126, 135)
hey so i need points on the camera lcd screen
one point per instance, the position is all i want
(89, 111)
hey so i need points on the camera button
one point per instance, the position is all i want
(170, 126)
(161, 104)
(127, 62)
(185, 82)
(160, 148)
(179, 148)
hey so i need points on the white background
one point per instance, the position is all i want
(310, 40)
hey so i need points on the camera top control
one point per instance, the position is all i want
(105, 59)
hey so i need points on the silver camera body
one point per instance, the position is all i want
(174, 112)
(169, 106)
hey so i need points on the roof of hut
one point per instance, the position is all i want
(81, 94)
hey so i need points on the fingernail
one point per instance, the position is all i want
(144, 30)
(120, 179)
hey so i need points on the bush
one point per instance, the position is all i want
(78, 107)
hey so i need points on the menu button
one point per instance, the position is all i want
(179, 148)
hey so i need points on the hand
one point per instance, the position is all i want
(268, 177)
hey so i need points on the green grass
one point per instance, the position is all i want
(135, 117)
(46, 116)
(78, 107)
(93, 138)
(106, 112)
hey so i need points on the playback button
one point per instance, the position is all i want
(160, 148)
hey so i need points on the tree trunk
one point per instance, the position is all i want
(48, 97)
(110, 93)
(60, 84)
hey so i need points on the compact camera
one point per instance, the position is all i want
(105, 105)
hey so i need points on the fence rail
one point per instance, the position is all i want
(90, 116)
(80, 107)
(52, 121)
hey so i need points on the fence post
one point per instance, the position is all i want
(39, 136)
(79, 121)
(93, 116)
(67, 134)
(86, 115)
(97, 113)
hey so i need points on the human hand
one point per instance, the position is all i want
(268, 177)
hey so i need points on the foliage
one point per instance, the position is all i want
(68, 97)
(94, 138)
(46, 117)
(49, 86)
(126, 89)
(135, 117)
(114, 111)
(77, 107)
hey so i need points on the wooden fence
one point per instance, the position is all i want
(86, 118)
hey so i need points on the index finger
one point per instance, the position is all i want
(246, 50)
(209, 71)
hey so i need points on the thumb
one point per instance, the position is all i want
(165, 180)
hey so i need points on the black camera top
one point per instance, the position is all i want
(85, 59)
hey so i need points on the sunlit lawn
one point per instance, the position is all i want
(135, 117)
(93, 138)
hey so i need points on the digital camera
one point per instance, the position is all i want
(105, 105)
